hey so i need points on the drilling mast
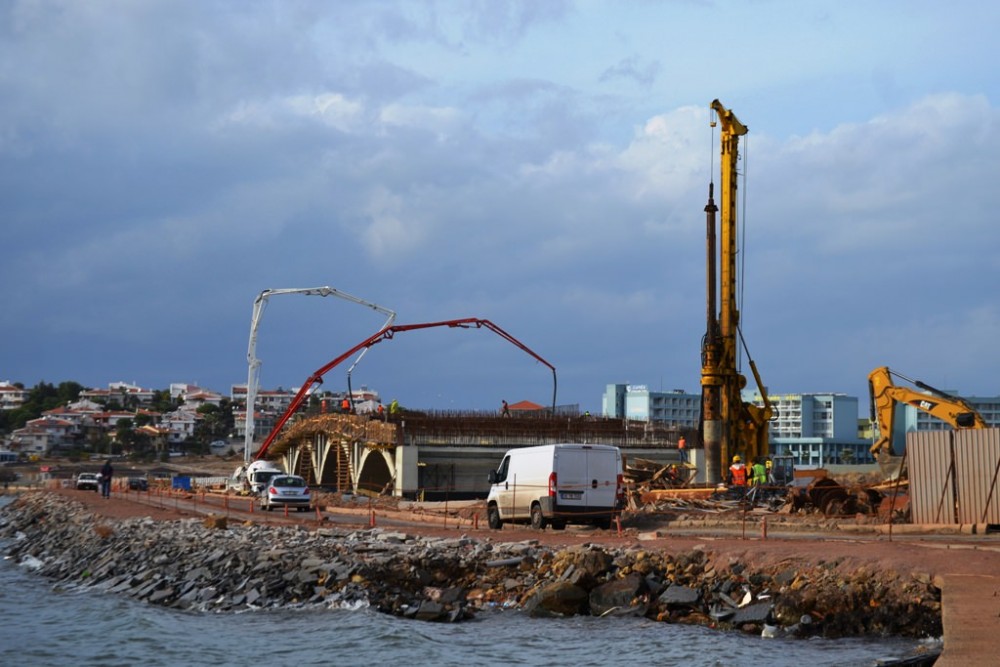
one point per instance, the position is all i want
(729, 425)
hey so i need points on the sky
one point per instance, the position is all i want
(543, 166)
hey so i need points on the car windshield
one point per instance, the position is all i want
(288, 481)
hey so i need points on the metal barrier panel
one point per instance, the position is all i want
(977, 462)
(928, 460)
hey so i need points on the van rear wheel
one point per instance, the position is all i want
(493, 518)
(538, 521)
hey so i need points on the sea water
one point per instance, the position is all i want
(42, 623)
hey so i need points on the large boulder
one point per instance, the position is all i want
(559, 599)
(620, 596)
(680, 596)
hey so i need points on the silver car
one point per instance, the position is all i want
(288, 491)
(88, 480)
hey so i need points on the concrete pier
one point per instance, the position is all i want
(970, 611)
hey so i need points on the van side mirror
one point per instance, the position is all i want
(492, 477)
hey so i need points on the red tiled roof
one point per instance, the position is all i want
(525, 405)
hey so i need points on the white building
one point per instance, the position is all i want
(269, 400)
(635, 401)
(41, 436)
(180, 425)
(124, 394)
(816, 429)
(11, 396)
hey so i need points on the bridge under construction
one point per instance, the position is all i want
(442, 455)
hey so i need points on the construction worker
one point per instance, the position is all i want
(394, 407)
(759, 473)
(737, 472)
(769, 467)
(380, 410)
(504, 409)
(681, 443)
(345, 406)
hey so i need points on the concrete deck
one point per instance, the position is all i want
(970, 612)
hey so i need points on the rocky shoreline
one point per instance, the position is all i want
(212, 565)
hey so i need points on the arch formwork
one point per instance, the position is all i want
(343, 452)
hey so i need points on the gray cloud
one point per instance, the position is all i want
(163, 162)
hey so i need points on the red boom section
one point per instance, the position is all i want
(387, 334)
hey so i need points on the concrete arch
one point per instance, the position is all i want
(329, 450)
(376, 472)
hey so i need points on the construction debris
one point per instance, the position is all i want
(650, 481)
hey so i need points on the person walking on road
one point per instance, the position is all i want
(106, 473)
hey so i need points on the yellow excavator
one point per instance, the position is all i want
(886, 395)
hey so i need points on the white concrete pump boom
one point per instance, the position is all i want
(253, 374)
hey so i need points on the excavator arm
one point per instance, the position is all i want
(885, 395)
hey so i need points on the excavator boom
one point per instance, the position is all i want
(886, 395)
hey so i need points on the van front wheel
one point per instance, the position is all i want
(538, 521)
(493, 518)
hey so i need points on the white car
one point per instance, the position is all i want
(286, 490)
(88, 480)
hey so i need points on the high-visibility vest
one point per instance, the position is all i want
(345, 405)
(738, 471)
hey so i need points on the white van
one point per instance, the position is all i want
(556, 484)
(254, 478)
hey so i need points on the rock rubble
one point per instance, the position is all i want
(214, 565)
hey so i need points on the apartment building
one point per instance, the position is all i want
(120, 393)
(635, 401)
(816, 429)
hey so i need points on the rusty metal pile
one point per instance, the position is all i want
(662, 488)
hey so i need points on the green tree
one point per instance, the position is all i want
(43, 396)
(162, 401)
(69, 392)
(212, 425)
(125, 434)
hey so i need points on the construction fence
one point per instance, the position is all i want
(953, 476)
